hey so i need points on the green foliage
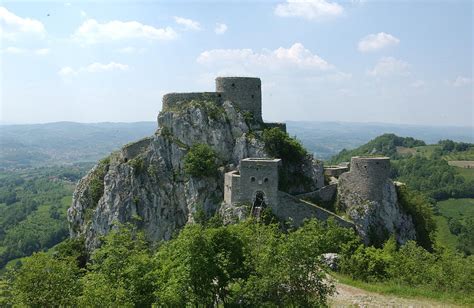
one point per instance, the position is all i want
(44, 281)
(138, 165)
(119, 272)
(466, 236)
(291, 174)
(245, 264)
(37, 219)
(96, 184)
(72, 248)
(433, 177)
(200, 161)
(413, 266)
(419, 208)
(197, 267)
(385, 145)
(280, 145)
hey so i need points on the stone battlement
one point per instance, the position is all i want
(244, 92)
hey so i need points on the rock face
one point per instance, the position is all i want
(145, 183)
(369, 198)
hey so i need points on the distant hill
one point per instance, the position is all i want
(23, 146)
(386, 145)
(326, 139)
(65, 142)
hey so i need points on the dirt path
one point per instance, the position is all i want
(348, 296)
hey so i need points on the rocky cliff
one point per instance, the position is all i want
(145, 182)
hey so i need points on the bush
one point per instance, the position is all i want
(96, 185)
(200, 161)
(418, 207)
(279, 144)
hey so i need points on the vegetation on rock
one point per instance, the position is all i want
(200, 161)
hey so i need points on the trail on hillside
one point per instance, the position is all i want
(348, 296)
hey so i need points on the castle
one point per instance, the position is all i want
(254, 182)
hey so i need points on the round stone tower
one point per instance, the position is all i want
(244, 92)
(370, 175)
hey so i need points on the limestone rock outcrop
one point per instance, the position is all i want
(145, 183)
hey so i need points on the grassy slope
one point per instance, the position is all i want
(406, 291)
(451, 208)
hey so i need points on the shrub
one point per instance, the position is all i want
(279, 144)
(96, 185)
(200, 161)
(418, 207)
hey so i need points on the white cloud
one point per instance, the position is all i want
(373, 42)
(91, 32)
(418, 84)
(220, 28)
(42, 51)
(309, 9)
(297, 56)
(188, 24)
(13, 27)
(83, 14)
(389, 66)
(93, 68)
(461, 81)
(131, 50)
(14, 50)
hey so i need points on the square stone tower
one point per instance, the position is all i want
(259, 179)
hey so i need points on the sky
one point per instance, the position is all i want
(407, 62)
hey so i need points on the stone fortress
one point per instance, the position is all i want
(147, 177)
(254, 183)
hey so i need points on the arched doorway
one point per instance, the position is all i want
(258, 204)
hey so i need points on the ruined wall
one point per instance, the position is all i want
(324, 194)
(335, 171)
(232, 187)
(292, 209)
(170, 100)
(131, 150)
(244, 92)
(259, 175)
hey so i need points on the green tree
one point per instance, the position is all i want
(200, 161)
(185, 270)
(120, 272)
(45, 281)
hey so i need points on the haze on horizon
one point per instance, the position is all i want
(319, 60)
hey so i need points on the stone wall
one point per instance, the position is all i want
(131, 150)
(232, 187)
(259, 175)
(324, 194)
(296, 210)
(335, 171)
(244, 92)
(170, 100)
